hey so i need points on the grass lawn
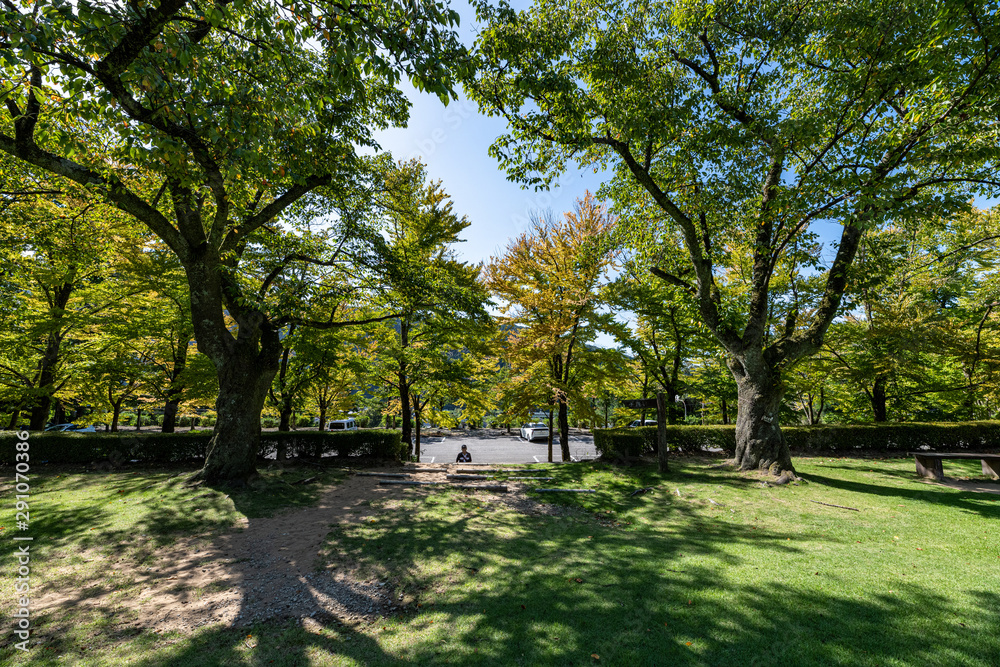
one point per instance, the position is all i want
(710, 567)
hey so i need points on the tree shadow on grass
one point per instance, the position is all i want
(555, 593)
(971, 468)
(983, 504)
(539, 590)
(91, 612)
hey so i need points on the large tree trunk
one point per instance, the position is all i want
(879, 411)
(170, 409)
(232, 452)
(759, 443)
(49, 361)
(564, 428)
(551, 434)
(174, 391)
(417, 417)
(662, 451)
(404, 387)
(42, 407)
(60, 412)
(116, 411)
(15, 417)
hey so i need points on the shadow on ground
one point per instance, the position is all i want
(542, 590)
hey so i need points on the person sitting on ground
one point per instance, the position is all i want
(464, 456)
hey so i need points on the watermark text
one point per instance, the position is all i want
(22, 552)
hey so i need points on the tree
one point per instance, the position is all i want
(61, 280)
(318, 365)
(111, 378)
(163, 316)
(920, 322)
(548, 283)
(744, 125)
(438, 299)
(808, 383)
(666, 331)
(206, 123)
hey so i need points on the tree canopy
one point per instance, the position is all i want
(744, 125)
(207, 123)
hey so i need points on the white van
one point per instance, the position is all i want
(343, 425)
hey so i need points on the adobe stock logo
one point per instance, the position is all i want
(454, 116)
(22, 554)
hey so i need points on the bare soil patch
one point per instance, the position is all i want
(266, 568)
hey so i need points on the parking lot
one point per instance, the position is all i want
(498, 447)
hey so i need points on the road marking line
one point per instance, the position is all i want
(432, 459)
(536, 459)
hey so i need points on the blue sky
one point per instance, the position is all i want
(453, 142)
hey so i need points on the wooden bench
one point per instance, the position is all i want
(929, 463)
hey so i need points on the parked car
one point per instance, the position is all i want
(60, 427)
(637, 423)
(343, 425)
(70, 427)
(534, 430)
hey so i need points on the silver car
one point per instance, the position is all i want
(70, 428)
(534, 431)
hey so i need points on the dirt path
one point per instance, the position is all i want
(266, 570)
(263, 569)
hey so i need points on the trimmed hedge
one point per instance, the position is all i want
(368, 443)
(624, 442)
(84, 448)
(892, 437)
(61, 447)
(632, 442)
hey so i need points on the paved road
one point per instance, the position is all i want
(501, 448)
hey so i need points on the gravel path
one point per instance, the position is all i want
(269, 568)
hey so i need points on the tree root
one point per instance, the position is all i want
(785, 477)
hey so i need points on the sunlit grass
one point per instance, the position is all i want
(709, 567)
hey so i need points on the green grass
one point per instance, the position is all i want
(86, 523)
(729, 572)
